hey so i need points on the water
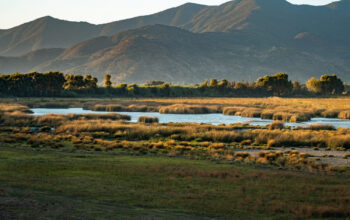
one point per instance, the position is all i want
(214, 119)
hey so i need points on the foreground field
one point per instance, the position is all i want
(102, 166)
(46, 183)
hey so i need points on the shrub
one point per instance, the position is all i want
(282, 116)
(45, 129)
(344, 115)
(332, 113)
(276, 125)
(320, 127)
(251, 113)
(246, 142)
(187, 109)
(231, 110)
(147, 119)
(339, 142)
(267, 115)
(300, 117)
(272, 143)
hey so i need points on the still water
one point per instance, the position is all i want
(197, 118)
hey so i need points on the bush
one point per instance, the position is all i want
(282, 116)
(276, 125)
(300, 117)
(251, 113)
(45, 129)
(332, 113)
(320, 127)
(187, 109)
(231, 110)
(267, 115)
(147, 119)
(344, 115)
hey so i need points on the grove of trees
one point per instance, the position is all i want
(54, 84)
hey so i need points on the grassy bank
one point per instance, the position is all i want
(285, 109)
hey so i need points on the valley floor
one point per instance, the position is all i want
(101, 166)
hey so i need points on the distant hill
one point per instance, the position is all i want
(185, 44)
(160, 52)
(270, 20)
(178, 17)
(28, 61)
(46, 32)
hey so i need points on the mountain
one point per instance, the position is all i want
(46, 32)
(49, 32)
(186, 44)
(177, 17)
(160, 52)
(270, 20)
(28, 61)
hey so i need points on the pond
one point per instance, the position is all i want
(214, 119)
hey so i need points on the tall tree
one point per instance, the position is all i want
(107, 81)
(278, 84)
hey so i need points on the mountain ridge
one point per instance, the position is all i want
(238, 38)
(159, 52)
(233, 15)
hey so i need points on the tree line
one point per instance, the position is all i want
(52, 84)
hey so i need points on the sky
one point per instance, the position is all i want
(16, 12)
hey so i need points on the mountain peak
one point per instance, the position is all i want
(190, 4)
(342, 5)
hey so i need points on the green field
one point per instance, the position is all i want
(45, 183)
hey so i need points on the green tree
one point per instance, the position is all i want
(314, 85)
(327, 85)
(331, 84)
(213, 83)
(107, 81)
(223, 84)
(90, 82)
(204, 84)
(278, 84)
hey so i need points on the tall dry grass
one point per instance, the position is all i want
(188, 109)
(147, 119)
(124, 108)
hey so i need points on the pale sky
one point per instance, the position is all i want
(16, 12)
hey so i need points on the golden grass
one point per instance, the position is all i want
(318, 127)
(344, 115)
(187, 109)
(276, 125)
(147, 119)
(8, 108)
(123, 108)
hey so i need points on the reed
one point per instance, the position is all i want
(147, 119)
(276, 125)
(331, 113)
(123, 108)
(344, 115)
(251, 113)
(319, 127)
(188, 109)
(231, 110)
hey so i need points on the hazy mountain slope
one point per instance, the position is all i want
(177, 16)
(46, 32)
(278, 21)
(241, 38)
(26, 62)
(270, 21)
(161, 52)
